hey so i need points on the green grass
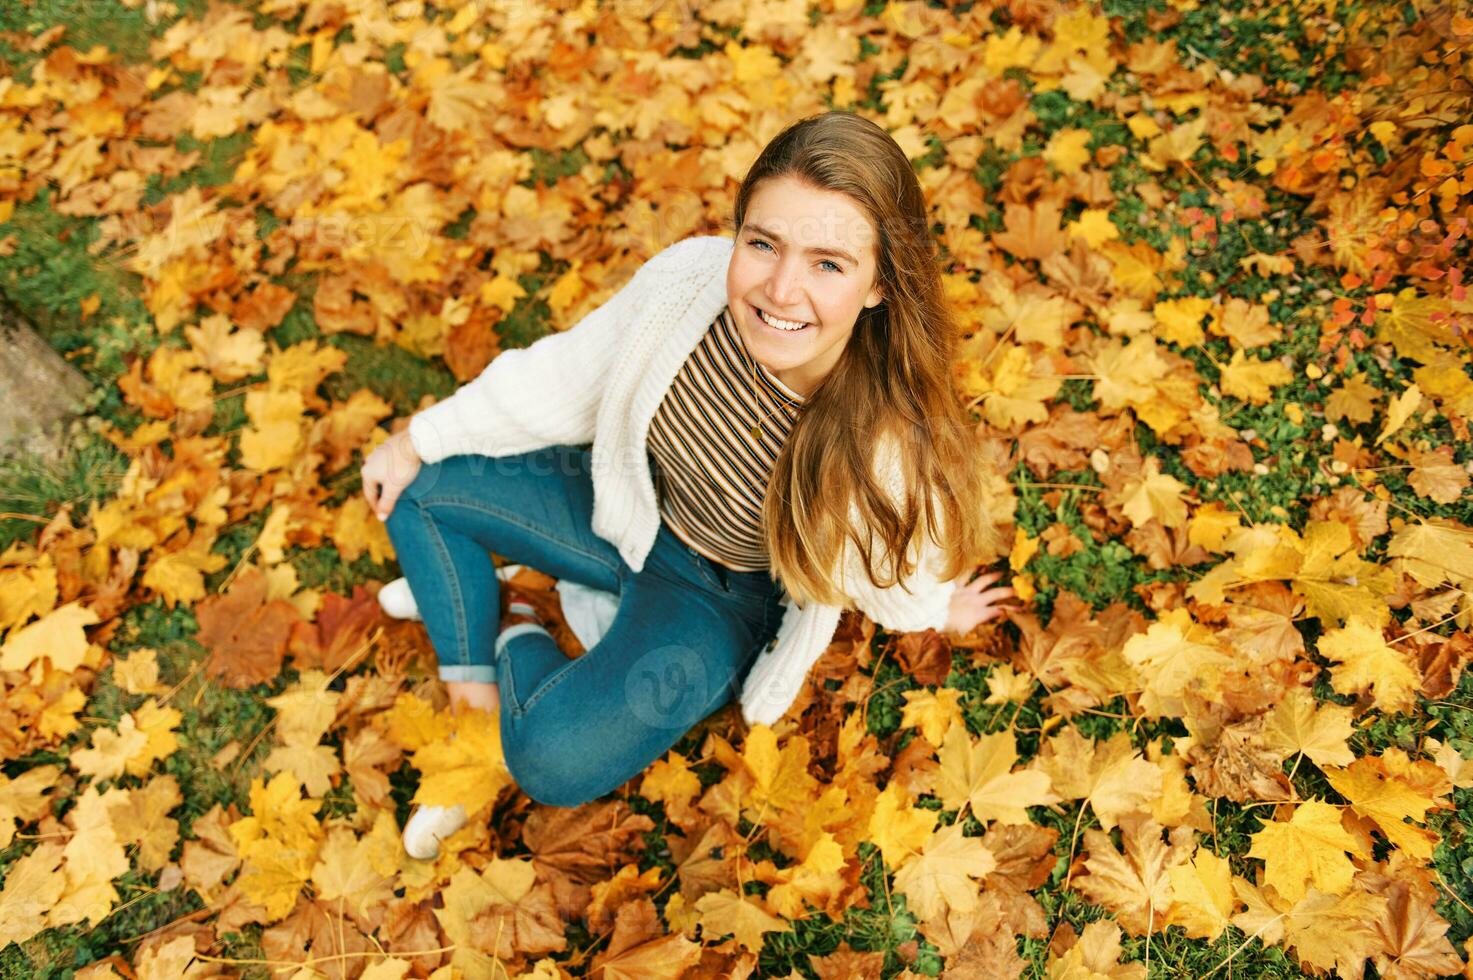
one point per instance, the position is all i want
(88, 469)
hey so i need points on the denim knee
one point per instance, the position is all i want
(555, 769)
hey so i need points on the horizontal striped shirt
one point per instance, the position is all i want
(710, 474)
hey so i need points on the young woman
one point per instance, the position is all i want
(769, 418)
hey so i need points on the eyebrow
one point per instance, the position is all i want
(821, 250)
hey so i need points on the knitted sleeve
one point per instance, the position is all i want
(778, 673)
(541, 395)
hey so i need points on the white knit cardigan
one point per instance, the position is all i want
(600, 382)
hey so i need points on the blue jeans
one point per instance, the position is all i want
(686, 631)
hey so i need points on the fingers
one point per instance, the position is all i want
(386, 501)
(370, 493)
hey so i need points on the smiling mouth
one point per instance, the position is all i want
(784, 328)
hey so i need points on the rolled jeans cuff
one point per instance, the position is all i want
(468, 673)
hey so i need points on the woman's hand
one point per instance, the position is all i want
(388, 470)
(971, 605)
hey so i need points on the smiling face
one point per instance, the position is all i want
(802, 255)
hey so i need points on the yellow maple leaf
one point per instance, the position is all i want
(1173, 653)
(1094, 226)
(1331, 932)
(278, 814)
(1202, 900)
(305, 710)
(933, 712)
(27, 591)
(179, 575)
(142, 818)
(1211, 524)
(1111, 775)
(1376, 792)
(1178, 145)
(724, 912)
(92, 859)
(1310, 849)
(502, 292)
(897, 828)
(1399, 410)
(356, 530)
(1153, 494)
(1251, 379)
(33, 884)
(752, 63)
(1299, 723)
(780, 777)
(941, 877)
(1033, 314)
(1018, 390)
(1134, 884)
(58, 636)
(302, 367)
(275, 436)
(1366, 663)
(1414, 324)
(227, 352)
(1135, 268)
(412, 722)
(110, 749)
(815, 881)
(1437, 551)
(138, 673)
(1012, 49)
(278, 842)
(344, 873)
(1126, 373)
(314, 765)
(670, 780)
(1335, 582)
(467, 767)
(1066, 150)
(1096, 956)
(980, 774)
(157, 723)
(1179, 321)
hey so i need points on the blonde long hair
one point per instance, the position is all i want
(894, 385)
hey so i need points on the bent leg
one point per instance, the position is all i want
(574, 730)
(535, 509)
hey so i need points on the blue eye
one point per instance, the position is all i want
(759, 241)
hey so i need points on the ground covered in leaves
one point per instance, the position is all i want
(1210, 259)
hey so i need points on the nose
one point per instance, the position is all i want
(783, 287)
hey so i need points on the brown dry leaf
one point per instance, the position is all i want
(1135, 885)
(1032, 232)
(245, 632)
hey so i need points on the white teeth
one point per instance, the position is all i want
(773, 321)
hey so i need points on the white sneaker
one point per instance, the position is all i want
(427, 826)
(397, 601)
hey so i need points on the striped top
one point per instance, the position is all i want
(710, 474)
